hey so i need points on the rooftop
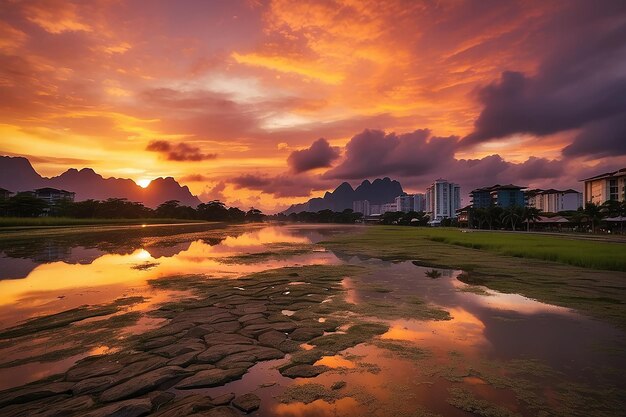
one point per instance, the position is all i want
(498, 187)
(619, 172)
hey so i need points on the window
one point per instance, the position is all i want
(613, 189)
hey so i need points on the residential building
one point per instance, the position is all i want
(419, 202)
(392, 207)
(375, 209)
(405, 203)
(362, 206)
(442, 200)
(463, 215)
(499, 196)
(554, 201)
(5, 194)
(53, 196)
(604, 187)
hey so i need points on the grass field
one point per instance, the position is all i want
(576, 273)
(66, 221)
(572, 251)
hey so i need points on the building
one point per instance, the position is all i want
(605, 187)
(52, 195)
(392, 207)
(361, 206)
(498, 196)
(405, 203)
(463, 216)
(419, 202)
(375, 209)
(554, 201)
(442, 200)
(5, 194)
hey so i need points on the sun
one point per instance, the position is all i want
(143, 183)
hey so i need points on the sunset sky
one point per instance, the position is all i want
(269, 103)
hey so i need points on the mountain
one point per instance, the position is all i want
(17, 174)
(378, 192)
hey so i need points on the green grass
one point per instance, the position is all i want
(572, 251)
(67, 221)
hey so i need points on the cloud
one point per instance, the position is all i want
(580, 86)
(319, 155)
(283, 185)
(193, 178)
(374, 153)
(179, 151)
(214, 193)
(416, 159)
(600, 139)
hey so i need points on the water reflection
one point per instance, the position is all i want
(67, 271)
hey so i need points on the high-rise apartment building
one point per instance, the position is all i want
(443, 199)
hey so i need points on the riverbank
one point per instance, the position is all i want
(506, 263)
(14, 222)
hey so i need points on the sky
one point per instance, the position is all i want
(268, 103)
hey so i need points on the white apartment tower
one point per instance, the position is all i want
(419, 202)
(443, 199)
(361, 206)
(405, 203)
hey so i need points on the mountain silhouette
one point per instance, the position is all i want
(17, 174)
(379, 191)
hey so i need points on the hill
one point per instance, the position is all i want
(379, 191)
(17, 174)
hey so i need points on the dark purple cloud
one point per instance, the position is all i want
(600, 139)
(194, 178)
(179, 151)
(319, 155)
(373, 153)
(283, 185)
(580, 84)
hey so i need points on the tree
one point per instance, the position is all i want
(530, 214)
(213, 211)
(492, 215)
(25, 205)
(511, 215)
(611, 208)
(593, 213)
(254, 215)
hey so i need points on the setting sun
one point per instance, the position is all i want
(143, 183)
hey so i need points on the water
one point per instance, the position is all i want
(492, 342)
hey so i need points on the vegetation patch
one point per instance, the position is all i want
(359, 333)
(405, 350)
(466, 401)
(307, 393)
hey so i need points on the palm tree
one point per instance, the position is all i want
(492, 214)
(511, 214)
(611, 208)
(530, 214)
(593, 213)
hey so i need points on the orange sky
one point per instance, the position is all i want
(211, 91)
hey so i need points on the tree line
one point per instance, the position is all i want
(513, 218)
(27, 205)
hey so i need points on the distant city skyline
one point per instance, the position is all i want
(270, 103)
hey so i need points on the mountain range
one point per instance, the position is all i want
(379, 191)
(17, 174)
